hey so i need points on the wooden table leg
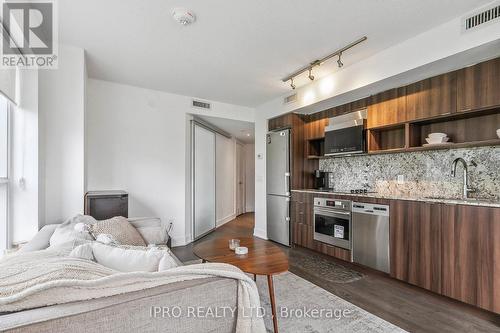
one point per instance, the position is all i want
(273, 302)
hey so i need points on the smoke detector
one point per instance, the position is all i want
(183, 16)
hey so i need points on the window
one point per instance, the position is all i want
(4, 171)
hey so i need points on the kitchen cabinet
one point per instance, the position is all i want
(284, 121)
(478, 86)
(302, 208)
(415, 243)
(432, 97)
(387, 108)
(316, 129)
(471, 255)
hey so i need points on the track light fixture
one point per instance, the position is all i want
(339, 62)
(319, 62)
(310, 76)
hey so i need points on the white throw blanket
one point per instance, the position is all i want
(41, 278)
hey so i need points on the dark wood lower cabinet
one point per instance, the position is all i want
(415, 243)
(471, 255)
(453, 250)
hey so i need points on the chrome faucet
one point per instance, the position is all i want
(466, 188)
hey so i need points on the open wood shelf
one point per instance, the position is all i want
(315, 148)
(386, 138)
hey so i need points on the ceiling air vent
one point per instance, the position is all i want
(200, 104)
(290, 99)
(480, 18)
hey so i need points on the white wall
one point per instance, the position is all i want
(138, 141)
(435, 51)
(62, 137)
(225, 178)
(24, 160)
(249, 151)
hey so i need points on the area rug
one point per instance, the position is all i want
(322, 268)
(304, 307)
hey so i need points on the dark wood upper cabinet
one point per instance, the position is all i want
(316, 129)
(415, 243)
(387, 108)
(432, 97)
(281, 122)
(471, 255)
(478, 86)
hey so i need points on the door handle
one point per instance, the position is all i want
(287, 219)
(287, 183)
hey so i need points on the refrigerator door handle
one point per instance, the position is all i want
(287, 183)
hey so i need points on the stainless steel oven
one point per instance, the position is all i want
(332, 222)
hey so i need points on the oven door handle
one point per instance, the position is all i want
(328, 212)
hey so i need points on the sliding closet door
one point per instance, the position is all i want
(203, 180)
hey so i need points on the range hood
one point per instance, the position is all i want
(345, 134)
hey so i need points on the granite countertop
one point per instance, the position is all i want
(470, 202)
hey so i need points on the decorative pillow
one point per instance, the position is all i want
(131, 260)
(120, 229)
(66, 232)
(167, 262)
(152, 230)
(83, 251)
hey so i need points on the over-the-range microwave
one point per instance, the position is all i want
(346, 134)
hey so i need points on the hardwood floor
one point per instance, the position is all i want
(409, 307)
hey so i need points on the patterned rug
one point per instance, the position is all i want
(322, 267)
(304, 307)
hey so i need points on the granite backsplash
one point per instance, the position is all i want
(426, 173)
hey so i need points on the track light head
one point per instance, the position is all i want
(310, 76)
(291, 84)
(339, 62)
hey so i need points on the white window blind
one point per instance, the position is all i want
(4, 171)
(8, 83)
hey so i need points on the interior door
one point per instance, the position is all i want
(203, 180)
(240, 180)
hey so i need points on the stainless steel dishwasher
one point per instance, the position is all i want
(370, 235)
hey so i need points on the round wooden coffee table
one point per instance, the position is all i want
(263, 258)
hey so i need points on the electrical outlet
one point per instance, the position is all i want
(401, 179)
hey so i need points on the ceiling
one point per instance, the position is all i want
(237, 51)
(242, 130)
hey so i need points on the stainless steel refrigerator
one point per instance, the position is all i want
(278, 186)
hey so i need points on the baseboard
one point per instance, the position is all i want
(180, 240)
(260, 233)
(226, 219)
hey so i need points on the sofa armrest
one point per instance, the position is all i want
(41, 239)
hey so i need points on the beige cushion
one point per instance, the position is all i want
(121, 230)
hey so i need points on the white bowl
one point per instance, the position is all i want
(498, 133)
(437, 135)
(434, 141)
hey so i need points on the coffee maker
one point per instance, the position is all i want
(323, 180)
